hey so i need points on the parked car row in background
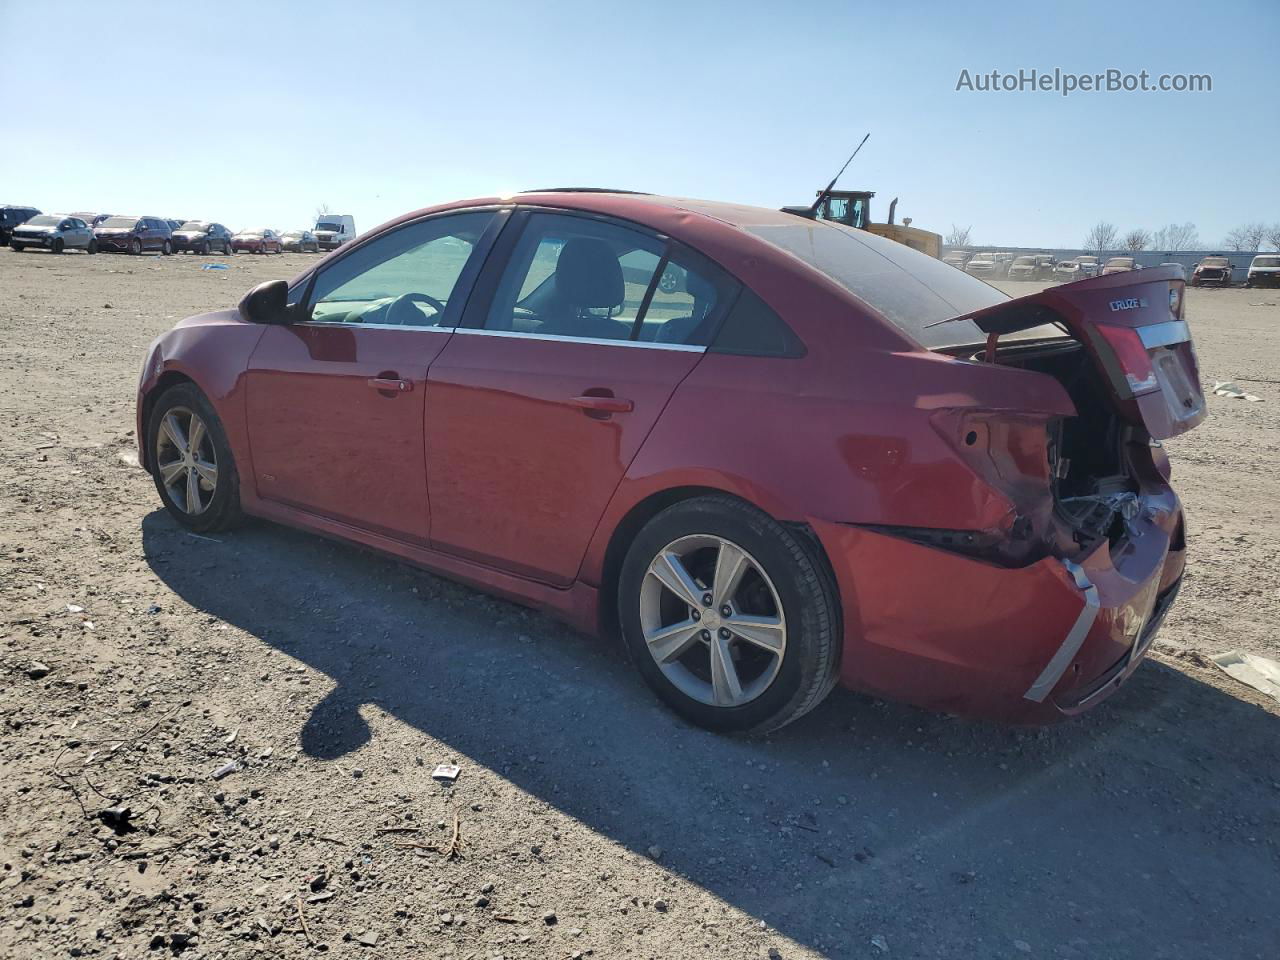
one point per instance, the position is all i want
(23, 227)
(1264, 270)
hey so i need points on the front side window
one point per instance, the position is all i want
(404, 278)
(582, 278)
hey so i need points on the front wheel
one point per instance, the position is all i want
(730, 617)
(191, 461)
(17, 247)
(136, 247)
(57, 246)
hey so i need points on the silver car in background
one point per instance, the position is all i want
(54, 232)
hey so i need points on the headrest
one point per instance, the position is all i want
(700, 289)
(588, 274)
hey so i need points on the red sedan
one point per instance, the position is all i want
(257, 241)
(774, 454)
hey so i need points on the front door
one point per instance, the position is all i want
(567, 356)
(335, 399)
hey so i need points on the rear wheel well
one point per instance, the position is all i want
(166, 380)
(646, 510)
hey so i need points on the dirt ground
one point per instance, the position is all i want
(591, 822)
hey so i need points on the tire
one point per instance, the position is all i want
(92, 248)
(216, 509)
(17, 247)
(786, 586)
(136, 247)
(202, 250)
(166, 248)
(57, 246)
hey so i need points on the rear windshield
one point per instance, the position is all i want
(44, 220)
(1025, 261)
(126, 222)
(911, 289)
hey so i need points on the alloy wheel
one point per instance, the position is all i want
(186, 460)
(712, 620)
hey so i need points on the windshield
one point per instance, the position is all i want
(124, 223)
(909, 288)
(249, 233)
(982, 258)
(1215, 261)
(292, 235)
(326, 225)
(194, 226)
(1120, 262)
(44, 220)
(1025, 262)
(1257, 261)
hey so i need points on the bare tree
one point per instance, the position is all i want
(322, 211)
(1101, 238)
(1176, 237)
(1273, 235)
(959, 236)
(1246, 237)
(1136, 240)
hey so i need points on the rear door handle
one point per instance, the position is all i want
(388, 383)
(591, 404)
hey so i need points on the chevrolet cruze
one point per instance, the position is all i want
(773, 454)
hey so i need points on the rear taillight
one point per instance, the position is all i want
(1129, 363)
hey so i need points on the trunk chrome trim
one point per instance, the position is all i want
(1057, 666)
(1164, 334)
(598, 341)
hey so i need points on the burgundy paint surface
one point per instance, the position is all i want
(484, 468)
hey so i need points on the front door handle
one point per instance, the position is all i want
(390, 384)
(592, 404)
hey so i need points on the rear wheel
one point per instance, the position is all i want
(729, 616)
(166, 248)
(92, 247)
(191, 460)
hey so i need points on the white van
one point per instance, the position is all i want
(333, 230)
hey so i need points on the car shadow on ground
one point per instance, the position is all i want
(1148, 828)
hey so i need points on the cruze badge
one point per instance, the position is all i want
(1129, 303)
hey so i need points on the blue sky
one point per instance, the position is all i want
(255, 113)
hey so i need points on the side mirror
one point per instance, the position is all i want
(266, 303)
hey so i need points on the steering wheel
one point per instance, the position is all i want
(396, 310)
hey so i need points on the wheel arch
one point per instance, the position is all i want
(648, 507)
(167, 379)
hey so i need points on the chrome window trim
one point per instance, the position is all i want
(1164, 334)
(598, 341)
(371, 326)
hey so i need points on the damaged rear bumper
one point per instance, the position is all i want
(1027, 645)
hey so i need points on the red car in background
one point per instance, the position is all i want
(775, 454)
(257, 241)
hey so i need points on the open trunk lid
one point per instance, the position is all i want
(1133, 326)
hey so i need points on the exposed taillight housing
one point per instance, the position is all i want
(1129, 364)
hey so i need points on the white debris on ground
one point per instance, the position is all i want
(1229, 388)
(1260, 673)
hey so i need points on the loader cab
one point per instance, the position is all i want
(850, 207)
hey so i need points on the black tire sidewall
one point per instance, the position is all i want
(807, 598)
(224, 510)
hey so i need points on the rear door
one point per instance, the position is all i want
(335, 399)
(570, 350)
(1134, 326)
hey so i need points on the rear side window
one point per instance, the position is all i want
(752, 329)
(584, 278)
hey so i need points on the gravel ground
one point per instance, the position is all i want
(590, 822)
